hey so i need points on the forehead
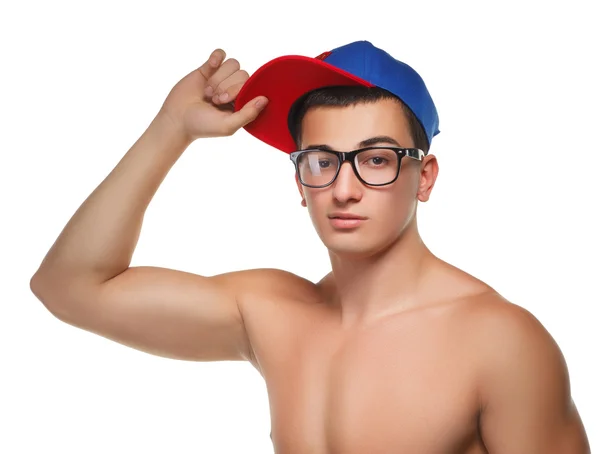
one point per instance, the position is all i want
(344, 127)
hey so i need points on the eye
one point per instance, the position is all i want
(378, 160)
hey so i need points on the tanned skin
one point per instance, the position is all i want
(393, 351)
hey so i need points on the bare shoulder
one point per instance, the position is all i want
(506, 333)
(497, 321)
(522, 380)
(266, 294)
(264, 283)
(272, 302)
(490, 314)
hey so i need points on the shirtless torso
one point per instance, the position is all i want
(404, 383)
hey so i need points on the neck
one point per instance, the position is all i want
(364, 289)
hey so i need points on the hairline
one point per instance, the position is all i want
(414, 125)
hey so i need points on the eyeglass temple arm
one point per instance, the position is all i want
(411, 152)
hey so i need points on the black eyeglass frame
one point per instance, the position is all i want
(343, 156)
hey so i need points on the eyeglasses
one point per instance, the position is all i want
(373, 166)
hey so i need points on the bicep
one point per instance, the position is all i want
(165, 312)
(526, 397)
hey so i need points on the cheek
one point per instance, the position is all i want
(395, 208)
(392, 208)
(315, 201)
(317, 205)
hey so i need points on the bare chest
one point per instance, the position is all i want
(400, 387)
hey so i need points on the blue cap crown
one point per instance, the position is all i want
(364, 60)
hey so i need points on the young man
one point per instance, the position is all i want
(393, 351)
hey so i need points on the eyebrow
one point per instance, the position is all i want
(363, 144)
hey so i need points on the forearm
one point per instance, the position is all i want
(99, 240)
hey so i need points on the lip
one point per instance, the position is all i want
(345, 220)
(348, 216)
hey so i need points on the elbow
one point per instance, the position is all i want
(70, 297)
(35, 286)
(40, 288)
(41, 285)
(46, 291)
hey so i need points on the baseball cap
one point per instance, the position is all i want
(285, 79)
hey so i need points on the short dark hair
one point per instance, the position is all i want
(346, 95)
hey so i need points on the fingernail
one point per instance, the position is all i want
(260, 103)
(214, 61)
(208, 90)
(224, 96)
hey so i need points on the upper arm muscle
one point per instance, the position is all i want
(164, 312)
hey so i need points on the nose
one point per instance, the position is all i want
(347, 186)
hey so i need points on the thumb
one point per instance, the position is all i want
(247, 113)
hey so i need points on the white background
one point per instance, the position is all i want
(516, 202)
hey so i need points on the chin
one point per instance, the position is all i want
(353, 246)
(363, 242)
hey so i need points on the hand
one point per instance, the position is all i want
(201, 104)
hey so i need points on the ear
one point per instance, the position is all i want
(301, 190)
(429, 173)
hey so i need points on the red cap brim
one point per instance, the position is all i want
(283, 80)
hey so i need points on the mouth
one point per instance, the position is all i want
(345, 221)
(349, 217)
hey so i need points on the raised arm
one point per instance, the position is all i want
(86, 279)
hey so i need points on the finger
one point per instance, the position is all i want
(246, 114)
(228, 90)
(210, 66)
(225, 70)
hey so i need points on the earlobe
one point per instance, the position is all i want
(303, 203)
